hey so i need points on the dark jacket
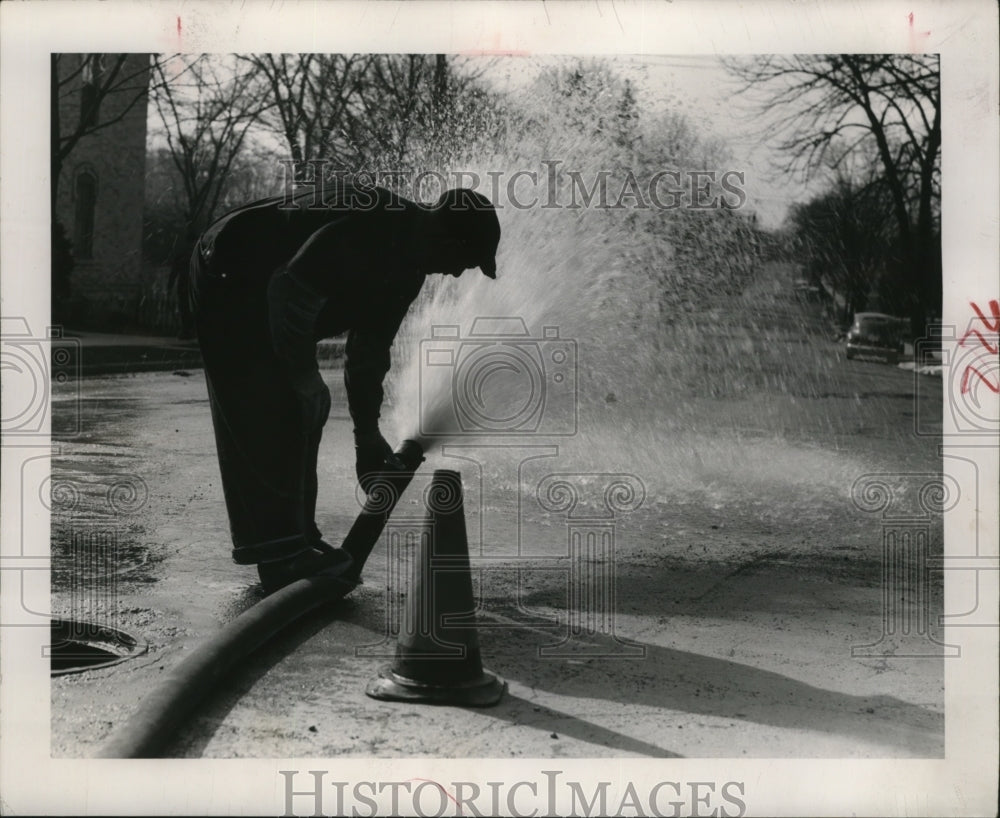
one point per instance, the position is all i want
(346, 259)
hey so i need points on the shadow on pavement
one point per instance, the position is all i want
(517, 711)
(664, 679)
(691, 683)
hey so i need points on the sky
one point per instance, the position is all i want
(699, 87)
(696, 85)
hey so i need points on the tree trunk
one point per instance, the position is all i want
(440, 82)
(55, 161)
(928, 242)
(61, 258)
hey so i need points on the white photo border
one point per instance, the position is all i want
(963, 32)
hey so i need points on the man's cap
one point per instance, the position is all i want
(471, 216)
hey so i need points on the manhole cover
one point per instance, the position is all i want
(77, 646)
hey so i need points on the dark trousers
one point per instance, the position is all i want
(266, 458)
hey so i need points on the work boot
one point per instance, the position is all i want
(322, 560)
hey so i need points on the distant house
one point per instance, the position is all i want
(100, 110)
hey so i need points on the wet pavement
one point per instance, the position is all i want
(735, 613)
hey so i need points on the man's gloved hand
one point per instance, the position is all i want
(373, 454)
(314, 399)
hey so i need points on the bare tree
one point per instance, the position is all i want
(398, 101)
(311, 97)
(426, 112)
(207, 107)
(826, 108)
(359, 112)
(845, 238)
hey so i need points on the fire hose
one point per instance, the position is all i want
(164, 710)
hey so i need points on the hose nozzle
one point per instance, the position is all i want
(411, 454)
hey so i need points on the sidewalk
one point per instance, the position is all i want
(106, 354)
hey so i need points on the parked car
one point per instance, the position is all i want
(875, 335)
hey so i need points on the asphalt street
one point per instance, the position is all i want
(735, 610)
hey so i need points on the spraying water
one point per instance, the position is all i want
(638, 340)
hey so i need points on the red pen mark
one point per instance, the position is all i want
(496, 49)
(178, 30)
(494, 52)
(436, 784)
(989, 347)
(994, 309)
(916, 36)
(974, 370)
(991, 326)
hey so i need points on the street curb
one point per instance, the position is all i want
(110, 359)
